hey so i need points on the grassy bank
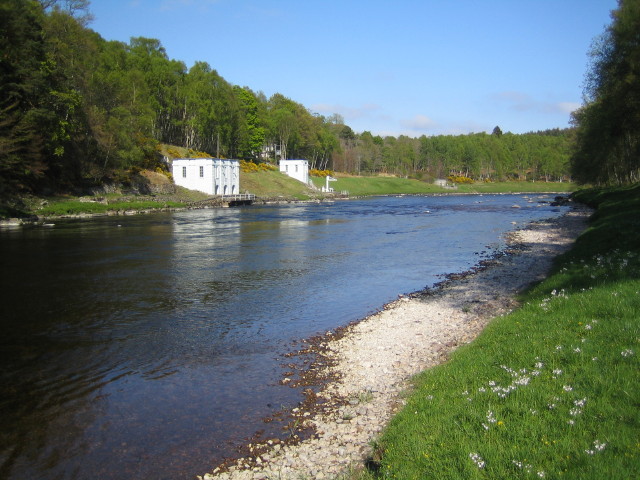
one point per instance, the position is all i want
(63, 207)
(271, 185)
(549, 391)
(384, 185)
(274, 185)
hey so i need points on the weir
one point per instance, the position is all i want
(238, 200)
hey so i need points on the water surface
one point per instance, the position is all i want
(149, 346)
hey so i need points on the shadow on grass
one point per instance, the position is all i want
(608, 251)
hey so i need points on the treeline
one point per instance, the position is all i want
(607, 147)
(77, 109)
(480, 156)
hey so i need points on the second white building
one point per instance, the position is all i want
(298, 169)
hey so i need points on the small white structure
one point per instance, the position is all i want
(440, 182)
(327, 188)
(215, 176)
(298, 169)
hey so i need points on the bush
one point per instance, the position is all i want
(459, 179)
(320, 173)
(251, 167)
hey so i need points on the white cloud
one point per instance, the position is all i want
(522, 102)
(349, 113)
(517, 101)
(568, 107)
(419, 123)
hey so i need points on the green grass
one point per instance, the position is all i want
(384, 185)
(549, 391)
(517, 187)
(75, 207)
(274, 184)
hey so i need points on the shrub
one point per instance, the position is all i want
(320, 173)
(459, 179)
(250, 167)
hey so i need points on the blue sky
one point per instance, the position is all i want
(411, 67)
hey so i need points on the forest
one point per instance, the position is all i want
(78, 110)
(607, 147)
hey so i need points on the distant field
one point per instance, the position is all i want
(393, 185)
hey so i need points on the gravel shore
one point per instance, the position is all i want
(371, 361)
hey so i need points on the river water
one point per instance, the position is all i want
(149, 346)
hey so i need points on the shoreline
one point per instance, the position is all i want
(35, 220)
(363, 369)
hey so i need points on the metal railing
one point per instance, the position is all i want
(239, 197)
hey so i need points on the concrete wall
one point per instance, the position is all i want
(214, 176)
(298, 169)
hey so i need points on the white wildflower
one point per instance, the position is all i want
(599, 446)
(490, 417)
(477, 459)
(524, 466)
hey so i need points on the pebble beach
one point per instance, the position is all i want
(369, 364)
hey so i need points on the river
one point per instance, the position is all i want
(150, 346)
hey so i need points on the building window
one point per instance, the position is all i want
(184, 172)
(202, 171)
(296, 168)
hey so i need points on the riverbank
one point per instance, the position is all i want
(269, 187)
(370, 363)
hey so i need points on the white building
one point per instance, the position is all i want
(214, 176)
(298, 169)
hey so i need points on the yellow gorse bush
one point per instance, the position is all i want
(320, 173)
(459, 179)
(249, 167)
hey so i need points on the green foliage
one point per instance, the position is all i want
(77, 110)
(549, 391)
(608, 135)
(23, 79)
